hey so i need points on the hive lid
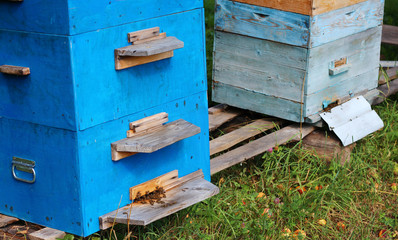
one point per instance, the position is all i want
(352, 120)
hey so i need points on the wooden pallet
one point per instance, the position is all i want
(13, 228)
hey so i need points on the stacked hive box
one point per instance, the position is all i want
(63, 116)
(292, 59)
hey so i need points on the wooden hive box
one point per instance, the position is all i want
(69, 89)
(293, 65)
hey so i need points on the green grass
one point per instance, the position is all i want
(358, 194)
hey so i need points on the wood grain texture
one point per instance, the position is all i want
(346, 21)
(221, 117)
(6, 220)
(257, 147)
(127, 62)
(150, 48)
(188, 193)
(261, 22)
(148, 122)
(217, 109)
(241, 134)
(151, 185)
(306, 7)
(14, 70)
(143, 34)
(296, 29)
(47, 234)
(385, 91)
(390, 35)
(258, 102)
(390, 74)
(153, 141)
(273, 68)
(327, 146)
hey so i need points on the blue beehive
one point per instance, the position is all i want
(294, 65)
(68, 100)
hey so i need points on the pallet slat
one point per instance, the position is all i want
(257, 147)
(47, 234)
(218, 116)
(231, 139)
(6, 220)
(390, 34)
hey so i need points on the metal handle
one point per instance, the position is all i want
(23, 165)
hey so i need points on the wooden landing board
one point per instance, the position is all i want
(258, 146)
(192, 191)
(151, 185)
(218, 116)
(150, 48)
(153, 141)
(47, 234)
(231, 139)
(390, 35)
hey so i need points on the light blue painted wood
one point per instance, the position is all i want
(362, 51)
(346, 21)
(70, 17)
(257, 65)
(105, 94)
(367, 81)
(261, 22)
(45, 96)
(258, 102)
(54, 199)
(296, 29)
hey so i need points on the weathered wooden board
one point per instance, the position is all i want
(5, 220)
(151, 185)
(316, 102)
(390, 34)
(148, 122)
(150, 48)
(296, 29)
(258, 146)
(220, 117)
(257, 102)
(47, 234)
(386, 90)
(231, 139)
(392, 73)
(327, 146)
(143, 34)
(273, 68)
(306, 7)
(128, 62)
(186, 194)
(153, 141)
(14, 70)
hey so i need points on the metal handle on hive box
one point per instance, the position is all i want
(148, 45)
(23, 165)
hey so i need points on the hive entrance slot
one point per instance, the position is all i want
(180, 193)
(148, 135)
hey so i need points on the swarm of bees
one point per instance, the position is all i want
(151, 197)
